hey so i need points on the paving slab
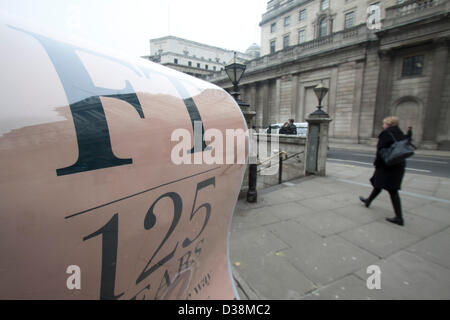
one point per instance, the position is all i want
(289, 210)
(424, 183)
(359, 214)
(253, 218)
(380, 238)
(312, 238)
(442, 205)
(434, 211)
(444, 189)
(243, 206)
(435, 248)
(287, 194)
(293, 234)
(340, 170)
(428, 193)
(418, 225)
(326, 223)
(348, 288)
(442, 193)
(244, 289)
(313, 189)
(247, 247)
(322, 204)
(410, 202)
(407, 276)
(346, 198)
(327, 260)
(275, 278)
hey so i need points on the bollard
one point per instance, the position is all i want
(252, 194)
(280, 169)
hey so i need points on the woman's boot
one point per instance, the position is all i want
(373, 195)
(396, 203)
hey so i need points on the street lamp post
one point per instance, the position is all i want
(235, 71)
(317, 142)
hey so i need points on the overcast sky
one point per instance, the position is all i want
(128, 25)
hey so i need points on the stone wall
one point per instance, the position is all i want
(444, 128)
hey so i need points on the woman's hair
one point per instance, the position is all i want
(391, 121)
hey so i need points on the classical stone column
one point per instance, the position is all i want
(383, 98)
(259, 108)
(332, 97)
(294, 93)
(436, 88)
(265, 104)
(275, 109)
(357, 94)
(253, 100)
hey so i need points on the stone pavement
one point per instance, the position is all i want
(312, 238)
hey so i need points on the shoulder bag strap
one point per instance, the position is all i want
(395, 140)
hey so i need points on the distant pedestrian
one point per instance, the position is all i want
(388, 177)
(292, 127)
(409, 136)
(284, 129)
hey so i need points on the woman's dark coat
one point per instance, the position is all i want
(388, 177)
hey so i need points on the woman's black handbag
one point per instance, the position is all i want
(397, 152)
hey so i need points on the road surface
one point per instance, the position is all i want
(427, 165)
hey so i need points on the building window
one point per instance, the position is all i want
(272, 46)
(273, 27)
(287, 21)
(412, 66)
(301, 36)
(349, 20)
(198, 65)
(323, 27)
(206, 67)
(285, 41)
(324, 4)
(175, 61)
(302, 15)
(214, 68)
(190, 63)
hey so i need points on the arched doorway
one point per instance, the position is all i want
(409, 111)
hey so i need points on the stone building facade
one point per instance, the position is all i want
(401, 69)
(194, 58)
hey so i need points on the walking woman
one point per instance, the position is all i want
(388, 177)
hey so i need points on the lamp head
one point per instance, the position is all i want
(320, 90)
(235, 70)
